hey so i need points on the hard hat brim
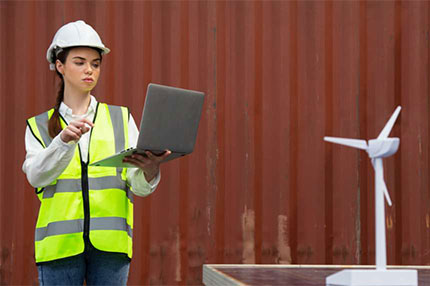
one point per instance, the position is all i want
(104, 50)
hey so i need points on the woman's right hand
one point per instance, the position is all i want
(75, 130)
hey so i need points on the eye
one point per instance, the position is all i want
(96, 65)
(79, 63)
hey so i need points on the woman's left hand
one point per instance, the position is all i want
(148, 162)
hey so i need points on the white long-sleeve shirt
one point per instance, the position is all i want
(44, 165)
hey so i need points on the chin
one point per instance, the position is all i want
(89, 87)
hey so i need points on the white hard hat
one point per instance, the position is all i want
(74, 34)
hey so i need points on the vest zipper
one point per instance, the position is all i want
(86, 200)
(86, 188)
(85, 196)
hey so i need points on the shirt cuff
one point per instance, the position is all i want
(138, 183)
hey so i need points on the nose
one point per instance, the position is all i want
(88, 69)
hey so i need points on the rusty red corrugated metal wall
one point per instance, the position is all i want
(261, 186)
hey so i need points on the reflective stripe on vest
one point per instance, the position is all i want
(60, 224)
(77, 225)
(74, 185)
(41, 121)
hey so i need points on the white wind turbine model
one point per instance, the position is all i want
(378, 148)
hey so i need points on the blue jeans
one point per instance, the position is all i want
(94, 266)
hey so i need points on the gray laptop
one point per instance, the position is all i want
(170, 121)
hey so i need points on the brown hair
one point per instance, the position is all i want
(54, 123)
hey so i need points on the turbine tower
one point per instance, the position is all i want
(378, 148)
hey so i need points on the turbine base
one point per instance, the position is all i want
(373, 277)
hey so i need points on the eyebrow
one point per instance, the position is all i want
(84, 59)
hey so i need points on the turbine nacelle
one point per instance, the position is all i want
(381, 148)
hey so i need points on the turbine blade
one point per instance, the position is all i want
(387, 128)
(384, 186)
(385, 190)
(355, 143)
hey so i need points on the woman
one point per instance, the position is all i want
(84, 227)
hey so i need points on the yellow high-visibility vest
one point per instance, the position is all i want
(86, 204)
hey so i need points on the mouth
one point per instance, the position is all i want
(88, 79)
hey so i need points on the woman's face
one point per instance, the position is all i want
(81, 69)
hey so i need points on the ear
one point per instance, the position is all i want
(60, 67)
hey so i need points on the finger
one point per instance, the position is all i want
(131, 162)
(159, 157)
(77, 124)
(150, 155)
(134, 162)
(69, 135)
(140, 158)
(84, 129)
(75, 130)
(89, 122)
(83, 124)
(166, 154)
(80, 123)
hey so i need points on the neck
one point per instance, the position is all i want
(77, 101)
